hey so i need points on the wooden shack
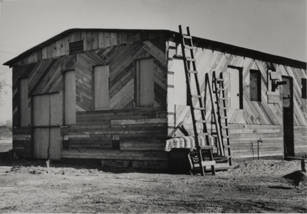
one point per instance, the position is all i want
(116, 95)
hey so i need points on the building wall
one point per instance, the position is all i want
(92, 136)
(252, 122)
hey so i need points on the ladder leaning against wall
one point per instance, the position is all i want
(196, 157)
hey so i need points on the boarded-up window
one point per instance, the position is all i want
(76, 47)
(145, 82)
(24, 110)
(304, 88)
(255, 85)
(69, 97)
(101, 87)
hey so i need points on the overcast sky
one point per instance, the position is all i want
(273, 26)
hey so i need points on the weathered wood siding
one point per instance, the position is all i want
(91, 41)
(300, 139)
(255, 114)
(122, 67)
(134, 137)
(44, 77)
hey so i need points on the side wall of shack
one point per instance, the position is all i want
(257, 119)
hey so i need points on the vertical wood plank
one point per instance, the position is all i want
(69, 97)
(101, 87)
(24, 102)
(145, 74)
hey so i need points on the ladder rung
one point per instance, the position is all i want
(188, 47)
(199, 108)
(196, 96)
(221, 89)
(190, 59)
(192, 71)
(200, 121)
(172, 47)
(219, 80)
(203, 134)
(207, 147)
(186, 36)
(218, 90)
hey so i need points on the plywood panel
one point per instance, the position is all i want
(69, 97)
(101, 87)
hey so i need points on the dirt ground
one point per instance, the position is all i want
(250, 186)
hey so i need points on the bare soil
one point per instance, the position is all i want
(250, 186)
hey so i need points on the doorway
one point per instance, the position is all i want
(47, 119)
(235, 87)
(287, 102)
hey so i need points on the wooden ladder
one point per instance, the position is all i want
(216, 131)
(190, 70)
(220, 101)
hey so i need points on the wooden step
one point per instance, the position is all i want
(206, 163)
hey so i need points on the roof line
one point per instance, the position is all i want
(211, 44)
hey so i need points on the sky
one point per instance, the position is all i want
(273, 26)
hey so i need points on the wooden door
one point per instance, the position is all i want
(234, 93)
(69, 97)
(287, 97)
(145, 82)
(47, 118)
(101, 88)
